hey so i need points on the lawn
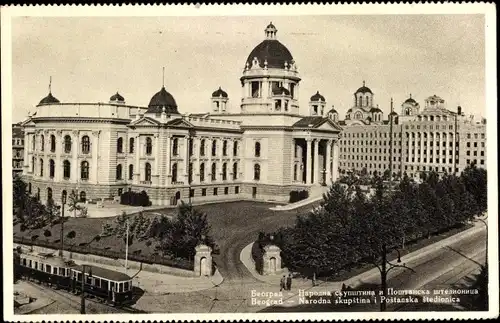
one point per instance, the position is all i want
(227, 220)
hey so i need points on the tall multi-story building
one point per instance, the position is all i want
(17, 148)
(429, 139)
(263, 151)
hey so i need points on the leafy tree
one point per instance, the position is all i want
(53, 211)
(73, 203)
(189, 230)
(19, 195)
(47, 233)
(475, 181)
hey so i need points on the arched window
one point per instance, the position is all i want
(224, 171)
(29, 188)
(85, 144)
(224, 148)
(214, 148)
(119, 145)
(175, 147)
(235, 171)
(83, 196)
(257, 149)
(202, 172)
(84, 170)
(32, 164)
(149, 146)
(52, 168)
(295, 173)
(130, 172)
(38, 193)
(214, 171)
(119, 171)
(147, 175)
(67, 144)
(174, 172)
(49, 194)
(131, 145)
(235, 148)
(42, 142)
(64, 195)
(202, 147)
(358, 115)
(41, 167)
(66, 169)
(52, 143)
(367, 100)
(256, 172)
(33, 143)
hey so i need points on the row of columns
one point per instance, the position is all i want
(312, 159)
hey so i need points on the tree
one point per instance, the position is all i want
(19, 196)
(475, 181)
(190, 229)
(73, 202)
(53, 211)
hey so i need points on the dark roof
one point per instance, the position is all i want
(350, 110)
(318, 97)
(306, 121)
(104, 273)
(49, 99)
(393, 113)
(375, 110)
(281, 90)
(273, 51)
(364, 89)
(219, 93)
(117, 97)
(341, 122)
(332, 110)
(271, 25)
(17, 131)
(160, 100)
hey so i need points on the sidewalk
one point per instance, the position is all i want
(162, 284)
(41, 301)
(300, 283)
(317, 195)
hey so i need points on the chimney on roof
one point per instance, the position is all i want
(459, 110)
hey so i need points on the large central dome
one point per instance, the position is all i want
(270, 50)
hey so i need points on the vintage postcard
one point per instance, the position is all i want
(204, 162)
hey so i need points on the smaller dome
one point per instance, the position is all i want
(117, 97)
(219, 93)
(410, 100)
(271, 25)
(49, 99)
(318, 97)
(364, 89)
(393, 113)
(375, 110)
(332, 110)
(160, 100)
(280, 91)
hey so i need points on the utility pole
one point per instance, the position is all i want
(82, 303)
(383, 276)
(390, 144)
(63, 202)
(126, 249)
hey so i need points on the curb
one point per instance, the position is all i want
(246, 259)
(294, 206)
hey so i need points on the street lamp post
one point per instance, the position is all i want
(385, 267)
(486, 225)
(63, 202)
(126, 248)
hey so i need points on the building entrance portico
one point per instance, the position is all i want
(313, 160)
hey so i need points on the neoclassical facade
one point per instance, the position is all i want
(262, 151)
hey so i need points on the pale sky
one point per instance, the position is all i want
(89, 59)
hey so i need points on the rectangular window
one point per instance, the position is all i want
(226, 190)
(236, 190)
(255, 89)
(482, 161)
(191, 192)
(203, 192)
(215, 191)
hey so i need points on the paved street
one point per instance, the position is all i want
(449, 267)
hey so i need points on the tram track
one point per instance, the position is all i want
(68, 299)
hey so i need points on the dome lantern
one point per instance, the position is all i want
(317, 105)
(271, 31)
(160, 100)
(117, 98)
(219, 100)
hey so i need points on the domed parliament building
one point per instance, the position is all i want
(263, 151)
